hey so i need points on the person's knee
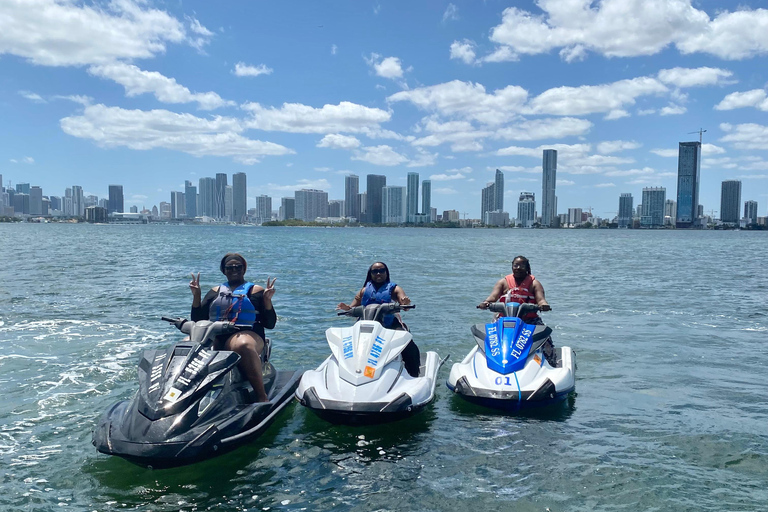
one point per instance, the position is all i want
(243, 343)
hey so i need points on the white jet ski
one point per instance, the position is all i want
(364, 379)
(507, 368)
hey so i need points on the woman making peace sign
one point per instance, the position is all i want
(249, 306)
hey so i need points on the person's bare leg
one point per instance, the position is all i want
(248, 345)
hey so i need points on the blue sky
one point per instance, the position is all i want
(148, 94)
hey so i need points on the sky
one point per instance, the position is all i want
(148, 94)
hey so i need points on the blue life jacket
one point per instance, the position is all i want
(234, 305)
(381, 296)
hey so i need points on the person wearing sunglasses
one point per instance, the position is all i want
(378, 289)
(246, 304)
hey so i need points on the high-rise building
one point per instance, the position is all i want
(240, 198)
(574, 217)
(35, 201)
(499, 190)
(351, 189)
(393, 200)
(426, 199)
(134, 209)
(488, 199)
(207, 197)
(376, 182)
(335, 208)
(670, 211)
(311, 204)
(22, 188)
(92, 200)
(548, 183)
(412, 197)
(263, 209)
(750, 212)
(451, 216)
(21, 203)
(220, 196)
(115, 199)
(526, 210)
(730, 201)
(688, 173)
(362, 206)
(177, 205)
(165, 210)
(78, 204)
(228, 203)
(190, 200)
(55, 203)
(653, 207)
(287, 208)
(625, 210)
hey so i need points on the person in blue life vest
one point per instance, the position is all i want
(378, 289)
(249, 306)
(521, 287)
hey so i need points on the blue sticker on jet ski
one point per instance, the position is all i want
(347, 347)
(378, 346)
(507, 343)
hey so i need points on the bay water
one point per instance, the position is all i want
(669, 329)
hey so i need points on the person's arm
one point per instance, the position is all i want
(263, 304)
(200, 311)
(497, 291)
(400, 296)
(355, 302)
(538, 294)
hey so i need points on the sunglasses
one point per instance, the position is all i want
(378, 271)
(233, 267)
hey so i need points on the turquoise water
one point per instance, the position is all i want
(669, 328)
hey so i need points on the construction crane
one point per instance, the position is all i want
(700, 132)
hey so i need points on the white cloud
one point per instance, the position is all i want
(755, 98)
(516, 168)
(447, 177)
(144, 130)
(298, 118)
(616, 114)
(628, 28)
(61, 33)
(25, 160)
(379, 155)
(337, 141)
(565, 183)
(672, 110)
(667, 153)
(445, 191)
(694, 77)
(502, 54)
(463, 51)
(389, 67)
(746, 136)
(423, 158)
(711, 149)
(646, 111)
(321, 184)
(334, 49)
(539, 129)
(614, 146)
(467, 99)
(451, 13)
(243, 69)
(645, 171)
(76, 98)
(31, 96)
(605, 185)
(137, 81)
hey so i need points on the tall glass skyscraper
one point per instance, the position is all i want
(548, 183)
(207, 193)
(412, 197)
(426, 198)
(219, 199)
(376, 182)
(730, 201)
(393, 201)
(351, 189)
(526, 210)
(310, 204)
(190, 200)
(688, 172)
(115, 199)
(499, 191)
(750, 212)
(240, 198)
(653, 207)
(625, 210)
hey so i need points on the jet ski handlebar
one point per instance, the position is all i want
(211, 329)
(513, 309)
(375, 311)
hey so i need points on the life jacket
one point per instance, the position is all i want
(234, 305)
(521, 293)
(381, 296)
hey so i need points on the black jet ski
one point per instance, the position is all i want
(192, 402)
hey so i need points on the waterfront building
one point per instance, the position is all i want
(240, 198)
(311, 204)
(433, 215)
(96, 214)
(670, 210)
(625, 210)
(22, 188)
(548, 183)
(134, 209)
(362, 205)
(335, 208)
(412, 197)
(426, 200)
(36, 201)
(220, 196)
(487, 199)
(750, 212)
(165, 210)
(351, 190)
(207, 197)
(78, 203)
(104, 203)
(228, 203)
(263, 209)
(393, 205)
(287, 208)
(688, 174)
(451, 216)
(730, 201)
(92, 200)
(653, 207)
(574, 217)
(498, 189)
(116, 199)
(190, 200)
(496, 218)
(375, 185)
(526, 210)
(177, 205)
(562, 220)
(20, 203)
(55, 202)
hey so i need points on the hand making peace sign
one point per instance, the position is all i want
(194, 285)
(269, 291)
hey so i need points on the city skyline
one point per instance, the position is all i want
(171, 93)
